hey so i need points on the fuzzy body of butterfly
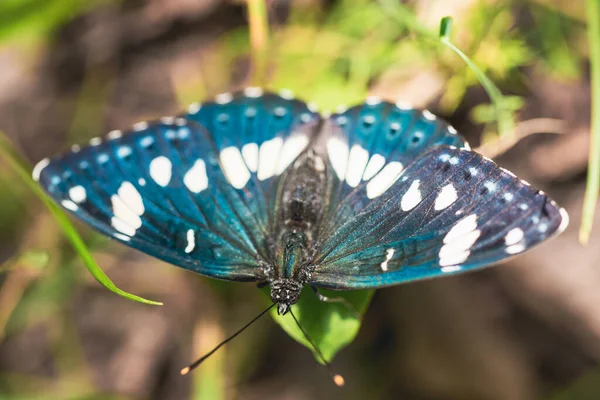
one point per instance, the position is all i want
(257, 186)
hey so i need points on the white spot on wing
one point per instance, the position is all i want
(195, 179)
(147, 141)
(337, 150)
(458, 250)
(140, 126)
(250, 154)
(388, 256)
(452, 268)
(234, 167)
(279, 111)
(122, 226)
(268, 156)
(458, 241)
(429, 115)
(253, 92)
(39, 167)
(446, 197)
(131, 197)
(515, 248)
(412, 197)
(114, 134)
(224, 98)
(375, 164)
(357, 161)
(384, 179)
(194, 108)
(191, 241)
(372, 100)
(160, 170)
(127, 207)
(292, 148)
(404, 105)
(124, 151)
(286, 94)
(313, 107)
(461, 228)
(514, 236)
(564, 222)
(69, 205)
(77, 194)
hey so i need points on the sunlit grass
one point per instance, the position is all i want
(23, 171)
(593, 179)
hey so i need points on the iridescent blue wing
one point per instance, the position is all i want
(431, 207)
(194, 191)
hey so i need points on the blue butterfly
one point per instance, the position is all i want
(260, 187)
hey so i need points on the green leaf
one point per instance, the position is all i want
(21, 168)
(331, 326)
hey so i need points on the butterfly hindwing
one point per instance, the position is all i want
(185, 190)
(450, 211)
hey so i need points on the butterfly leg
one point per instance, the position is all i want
(261, 285)
(340, 300)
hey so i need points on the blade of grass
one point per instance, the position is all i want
(20, 167)
(258, 22)
(593, 177)
(506, 125)
(402, 14)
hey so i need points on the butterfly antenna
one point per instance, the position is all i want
(196, 363)
(337, 378)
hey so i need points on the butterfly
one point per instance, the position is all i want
(259, 187)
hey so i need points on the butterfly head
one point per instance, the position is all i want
(284, 293)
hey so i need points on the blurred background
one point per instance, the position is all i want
(72, 70)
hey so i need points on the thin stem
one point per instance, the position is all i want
(258, 22)
(401, 13)
(593, 178)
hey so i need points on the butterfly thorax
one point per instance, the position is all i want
(302, 204)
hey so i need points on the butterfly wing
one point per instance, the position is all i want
(194, 191)
(441, 209)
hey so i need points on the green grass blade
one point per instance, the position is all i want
(593, 177)
(259, 35)
(20, 167)
(503, 116)
(406, 17)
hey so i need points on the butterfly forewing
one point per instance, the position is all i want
(196, 191)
